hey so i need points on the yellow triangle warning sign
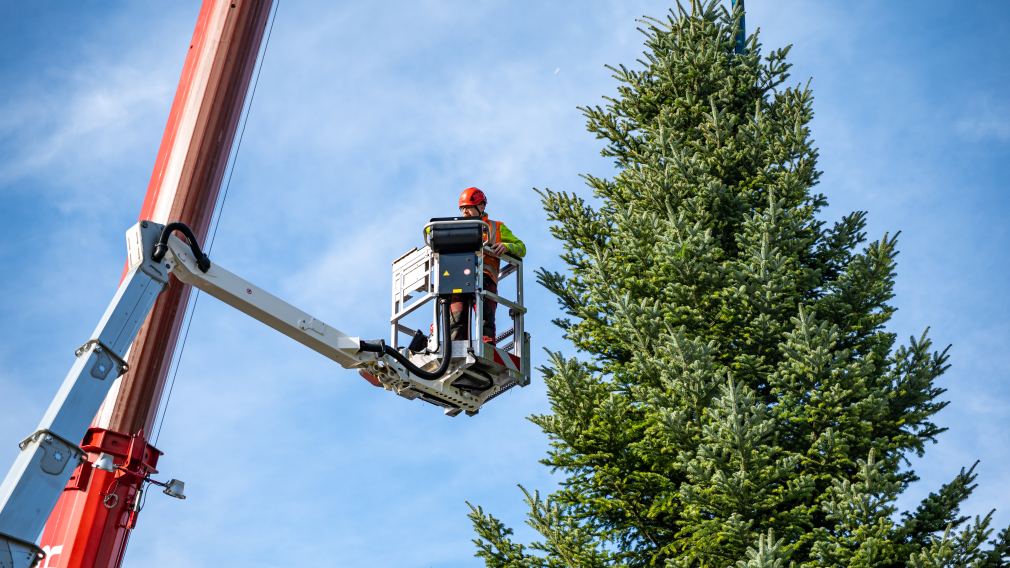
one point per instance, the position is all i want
(446, 273)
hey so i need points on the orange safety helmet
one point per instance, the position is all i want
(472, 196)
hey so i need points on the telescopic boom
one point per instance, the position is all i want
(49, 456)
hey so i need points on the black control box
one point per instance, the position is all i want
(457, 273)
(458, 242)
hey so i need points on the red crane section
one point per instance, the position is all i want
(91, 523)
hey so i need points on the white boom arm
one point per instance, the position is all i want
(345, 350)
(49, 456)
(265, 307)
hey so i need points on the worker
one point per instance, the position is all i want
(472, 203)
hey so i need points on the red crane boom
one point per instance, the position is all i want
(91, 523)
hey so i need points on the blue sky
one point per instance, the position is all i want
(369, 119)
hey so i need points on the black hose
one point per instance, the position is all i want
(202, 260)
(379, 346)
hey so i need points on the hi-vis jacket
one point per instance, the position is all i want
(500, 234)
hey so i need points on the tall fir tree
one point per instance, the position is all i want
(739, 401)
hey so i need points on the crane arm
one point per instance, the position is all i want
(265, 307)
(392, 368)
(49, 455)
(52, 452)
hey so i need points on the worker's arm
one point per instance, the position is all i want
(515, 246)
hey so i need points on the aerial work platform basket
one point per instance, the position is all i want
(450, 267)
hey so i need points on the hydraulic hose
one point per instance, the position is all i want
(379, 346)
(202, 260)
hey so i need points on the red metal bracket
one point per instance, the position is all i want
(134, 456)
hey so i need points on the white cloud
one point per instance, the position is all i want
(68, 135)
(985, 120)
